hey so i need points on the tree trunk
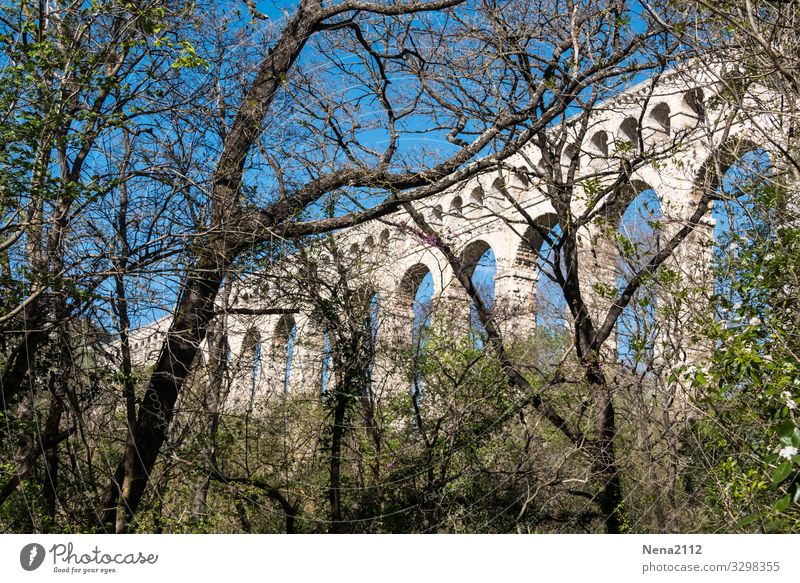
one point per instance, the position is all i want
(605, 467)
(50, 482)
(195, 310)
(337, 435)
(195, 307)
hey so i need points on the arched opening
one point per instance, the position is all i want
(480, 264)
(738, 222)
(639, 237)
(628, 132)
(437, 214)
(251, 360)
(456, 206)
(418, 289)
(421, 308)
(416, 292)
(384, 237)
(410, 281)
(600, 142)
(571, 152)
(283, 350)
(694, 102)
(476, 197)
(325, 369)
(500, 188)
(660, 116)
(743, 179)
(537, 255)
(372, 324)
(369, 243)
(551, 305)
(229, 356)
(519, 180)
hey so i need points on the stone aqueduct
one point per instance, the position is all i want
(285, 353)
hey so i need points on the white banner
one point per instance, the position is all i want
(401, 558)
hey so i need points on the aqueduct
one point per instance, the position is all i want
(503, 214)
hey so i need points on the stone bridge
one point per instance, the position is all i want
(678, 122)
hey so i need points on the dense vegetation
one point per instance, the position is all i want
(156, 158)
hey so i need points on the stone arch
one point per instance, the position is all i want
(371, 301)
(519, 179)
(526, 257)
(326, 363)
(721, 159)
(480, 264)
(642, 208)
(600, 142)
(413, 307)
(500, 188)
(625, 196)
(748, 168)
(660, 118)
(607, 247)
(410, 282)
(693, 103)
(456, 207)
(424, 259)
(250, 360)
(417, 278)
(515, 184)
(476, 197)
(283, 348)
(629, 131)
(694, 258)
(639, 238)
(472, 253)
(401, 316)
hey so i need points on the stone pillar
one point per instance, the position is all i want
(273, 362)
(453, 309)
(306, 374)
(515, 302)
(392, 349)
(597, 262)
(686, 282)
(242, 348)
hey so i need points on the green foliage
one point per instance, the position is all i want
(753, 380)
(188, 58)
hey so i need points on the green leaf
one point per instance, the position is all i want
(783, 503)
(792, 439)
(746, 521)
(788, 434)
(781, 472)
